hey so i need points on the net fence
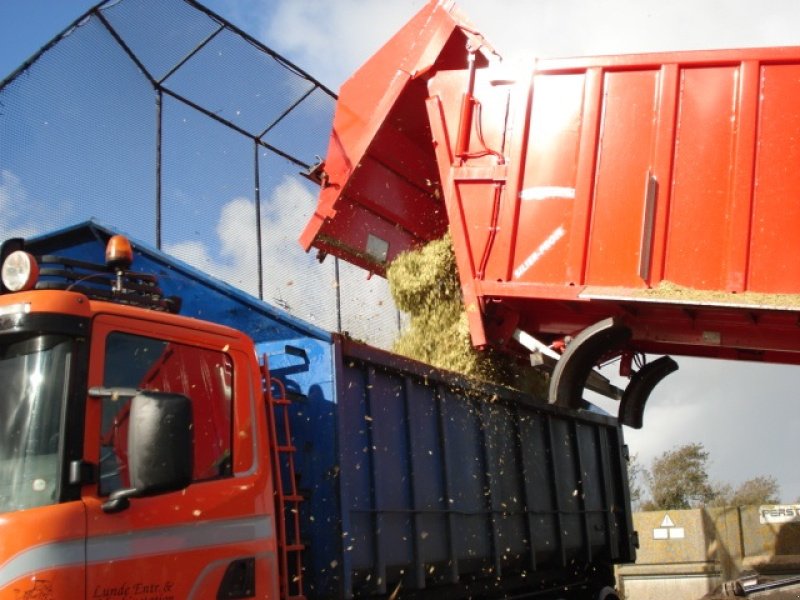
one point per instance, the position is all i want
(164, 121)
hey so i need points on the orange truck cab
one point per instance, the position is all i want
(96, 418)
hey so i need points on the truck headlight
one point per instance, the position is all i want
(20, 271)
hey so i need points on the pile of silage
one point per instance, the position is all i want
(672, 292)
(424, 284)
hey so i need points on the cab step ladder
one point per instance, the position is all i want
(287, 498)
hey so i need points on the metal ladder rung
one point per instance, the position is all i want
(287, 504)
(295, 547)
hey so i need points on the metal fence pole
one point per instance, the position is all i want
(257, 195)
(159, 137)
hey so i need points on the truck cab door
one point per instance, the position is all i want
(215, 536)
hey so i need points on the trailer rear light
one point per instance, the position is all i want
(119, 253)
(20, 271)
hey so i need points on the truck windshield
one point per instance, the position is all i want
(33, 390)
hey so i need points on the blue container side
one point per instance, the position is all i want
(306, 371)
(467, 477)
(505, 482)
(428, 484)
(539, 490)
(443, 481)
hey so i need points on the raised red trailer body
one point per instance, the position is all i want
(660, 190)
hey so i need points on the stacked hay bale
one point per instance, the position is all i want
(424, 284)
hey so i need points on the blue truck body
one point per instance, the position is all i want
(415, 478)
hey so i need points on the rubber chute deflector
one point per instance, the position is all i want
(631, 408)
(582, 354)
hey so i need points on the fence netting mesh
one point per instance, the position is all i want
(164, 121)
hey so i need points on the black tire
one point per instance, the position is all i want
(608, 593)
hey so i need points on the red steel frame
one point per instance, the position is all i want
(574, 191)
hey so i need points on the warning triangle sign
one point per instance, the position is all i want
(667, 522)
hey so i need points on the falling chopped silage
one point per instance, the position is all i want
(424, 284)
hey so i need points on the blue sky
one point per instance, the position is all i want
(297, 32)
(25, 26)
(744, 414)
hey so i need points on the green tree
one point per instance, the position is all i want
(758, 490)
(679, 479)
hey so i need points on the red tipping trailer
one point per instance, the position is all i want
(640, 203)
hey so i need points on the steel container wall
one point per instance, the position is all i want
(442, 481)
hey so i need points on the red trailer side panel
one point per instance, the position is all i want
(661, 189)
(624, 161)
(547, 195)
(702, 180)
(776, 205)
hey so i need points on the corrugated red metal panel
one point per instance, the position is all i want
(776, 210)
(547, 194)
(701, 185)
(624, 160)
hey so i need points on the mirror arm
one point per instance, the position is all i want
(119, 501)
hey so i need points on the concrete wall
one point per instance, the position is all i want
(685, 554)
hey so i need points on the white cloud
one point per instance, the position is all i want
(282, 216)
(575, 27)
(195, 253)
(331, 39)
(237, 266)
(16, 208)
(236, 223)
(293, 280)
(13, 194)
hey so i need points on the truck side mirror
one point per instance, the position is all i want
(160, 450)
